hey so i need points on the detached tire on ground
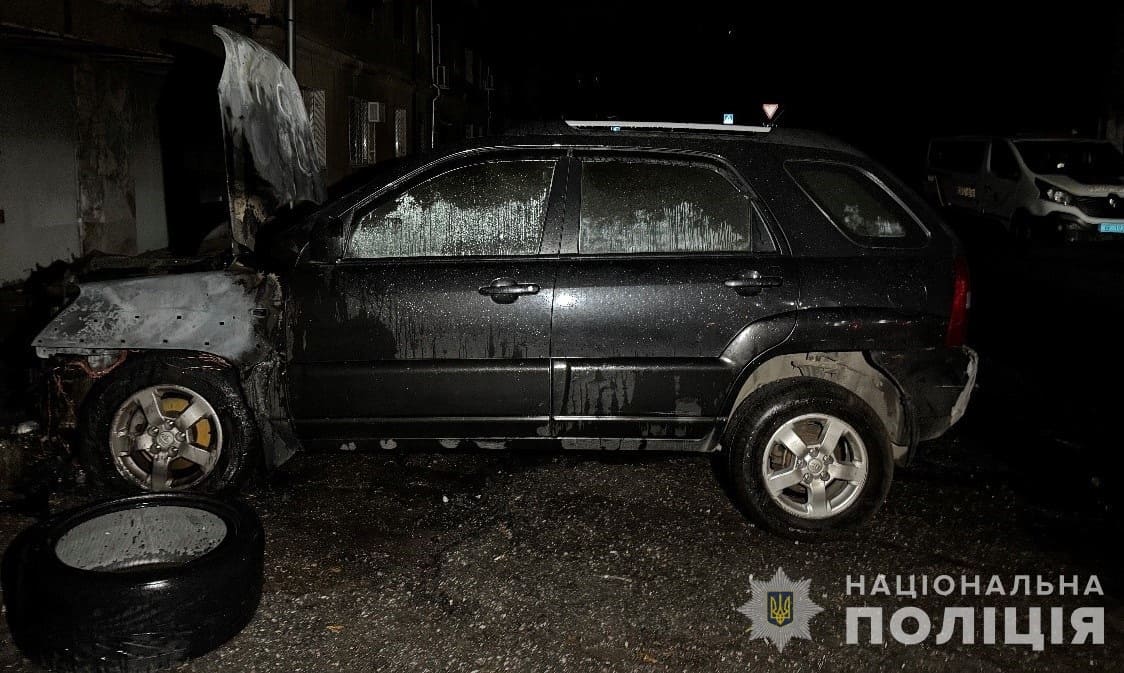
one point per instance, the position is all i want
(135, 584)
(808, 459)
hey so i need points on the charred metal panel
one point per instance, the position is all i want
(937, 381)
(271, 154)
(264, 387)
(849, 370)
(225, 313)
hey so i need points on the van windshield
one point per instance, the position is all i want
(1072, 158)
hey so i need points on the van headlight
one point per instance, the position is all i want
(1052, 193)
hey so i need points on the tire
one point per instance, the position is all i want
(134, 584)
(177, 380)
(808, 405)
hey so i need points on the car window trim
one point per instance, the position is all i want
(926, 235)
(718, 164)
(432, 171)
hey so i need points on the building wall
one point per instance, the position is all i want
(86, 86)
(38, 184)
(80, 163)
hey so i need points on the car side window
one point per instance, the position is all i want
(1003, 162)
(493, 208)
(636, 206)
(862, 208)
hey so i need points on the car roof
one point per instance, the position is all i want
(540, 134)
(595, 133)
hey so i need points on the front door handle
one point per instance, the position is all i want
(752, 282)
(506, 290)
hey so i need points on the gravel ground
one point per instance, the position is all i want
(547, 562)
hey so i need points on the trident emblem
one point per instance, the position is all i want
(780, 607)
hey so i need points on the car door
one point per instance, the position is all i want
(666, 260)
(436, 321)
(999, 185)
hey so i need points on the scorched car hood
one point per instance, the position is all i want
(270, 156)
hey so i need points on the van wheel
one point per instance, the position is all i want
(166, 423)
(808, 458)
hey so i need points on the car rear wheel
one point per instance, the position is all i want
(808, 458)
(165, 423)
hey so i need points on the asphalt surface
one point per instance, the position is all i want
(504, 561)
(512, 562)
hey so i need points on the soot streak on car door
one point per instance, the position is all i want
(438, 325)
(669, 264)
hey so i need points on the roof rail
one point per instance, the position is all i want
(615, 125)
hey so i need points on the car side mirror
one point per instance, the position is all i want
(326, 242)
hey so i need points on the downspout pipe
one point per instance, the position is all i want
(433, 80)
(290, 35)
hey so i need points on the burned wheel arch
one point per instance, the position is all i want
(917, 394)
(227, 321)
(849, 370)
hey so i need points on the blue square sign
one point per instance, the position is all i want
(727, 118)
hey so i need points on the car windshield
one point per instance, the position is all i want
(1071, 158)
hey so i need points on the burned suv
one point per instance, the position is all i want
(771, 296)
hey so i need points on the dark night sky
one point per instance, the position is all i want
(884, 79)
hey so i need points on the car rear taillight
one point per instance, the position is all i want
(961, 302)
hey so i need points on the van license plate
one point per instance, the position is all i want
(1111, 228)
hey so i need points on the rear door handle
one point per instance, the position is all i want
(752, 282)
(507, 290)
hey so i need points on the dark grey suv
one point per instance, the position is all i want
(768, 295)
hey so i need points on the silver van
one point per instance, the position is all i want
(1060, 189)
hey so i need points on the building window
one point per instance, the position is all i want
(361, 131)
(400, 133)
(469, 71)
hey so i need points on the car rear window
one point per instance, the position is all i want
(637, 206)
(857, 204)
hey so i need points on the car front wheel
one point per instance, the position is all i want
(167, 423)
(808, 458)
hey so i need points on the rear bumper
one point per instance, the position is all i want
(936, 385)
